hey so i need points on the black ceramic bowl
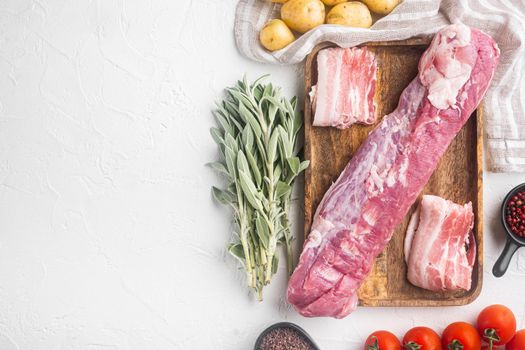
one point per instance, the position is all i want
(514, 242)
(286, 325)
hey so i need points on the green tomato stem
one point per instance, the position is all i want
(491, 337)
(455, 345)
(411, 345)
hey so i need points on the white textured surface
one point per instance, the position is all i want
(108, 235)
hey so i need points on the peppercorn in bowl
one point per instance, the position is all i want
(513, 220)
(285, 336)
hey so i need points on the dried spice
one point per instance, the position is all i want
(284, 339)
(515, 214)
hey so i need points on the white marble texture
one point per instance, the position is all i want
(109, 238)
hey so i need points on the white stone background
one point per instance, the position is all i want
(109, 238)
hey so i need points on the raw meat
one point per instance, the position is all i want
(358, 214)
(436, 244)
(345, 88)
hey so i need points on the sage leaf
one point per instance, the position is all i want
(282, 189)
(224, 197)
(263, 231)
(231, 108)
(237, 251)
(217, 136)
(275, 264)
(250, 119)
(231, 143)
(268, 90)
(240, 97)
(272, 147)
(250, 191)
(277, 173)
(242, 163)
(247, 137)
(224, 123)
(258, 81)
(254, 168)
(219, 167)
(236, 123)
(294, 164)
(304, 165)
(230, 161)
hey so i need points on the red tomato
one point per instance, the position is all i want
(496, 324)
(460, 336)
(382, 340)
(421, 338)
(518, 342)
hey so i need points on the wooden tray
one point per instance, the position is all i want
(458, 176)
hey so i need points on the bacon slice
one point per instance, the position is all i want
(345, 88)
(358, 214)
(436, 244)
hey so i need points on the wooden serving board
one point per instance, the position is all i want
(458, 176)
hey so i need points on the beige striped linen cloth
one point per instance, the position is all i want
(504, 20)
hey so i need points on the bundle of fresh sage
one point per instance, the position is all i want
(257, 138)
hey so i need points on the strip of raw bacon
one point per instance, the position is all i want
(345, 88)
(436, 245)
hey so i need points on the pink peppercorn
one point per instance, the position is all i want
(515, 214)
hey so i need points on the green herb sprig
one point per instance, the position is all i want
(256, 133)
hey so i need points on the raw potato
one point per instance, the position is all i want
(275, 35)
(352, 14)
(382, 7)
(303, 15)
(332, 2)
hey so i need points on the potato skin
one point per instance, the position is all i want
(332, 2)
(382, 7)
(279, 1)
(351, 14)
(275, 35)
(303, 15)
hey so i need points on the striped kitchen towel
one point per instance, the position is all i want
(504, 20)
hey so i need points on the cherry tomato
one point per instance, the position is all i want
(460, 336)
(496, 325)
(421, 338)
(518, 342)
(382, 340)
